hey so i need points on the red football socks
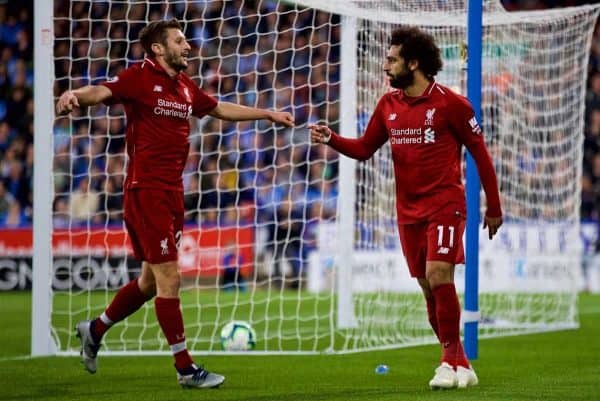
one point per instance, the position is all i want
(171, 322)
(447, 309)
(431, 315)
(128, 300)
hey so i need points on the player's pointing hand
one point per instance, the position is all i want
(492, 224)
(319, 133)
(281, 117)
(66, 102)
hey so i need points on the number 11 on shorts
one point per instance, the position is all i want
(440, 229)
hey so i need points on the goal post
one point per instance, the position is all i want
(470, 314)
(347, 178)
(282, 233)
(42, 342)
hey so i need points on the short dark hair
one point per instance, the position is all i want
(419, 45)
(156, 32)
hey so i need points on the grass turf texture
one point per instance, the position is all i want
(550, 366)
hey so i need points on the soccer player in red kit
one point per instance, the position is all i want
(427, 124)
(159, 99)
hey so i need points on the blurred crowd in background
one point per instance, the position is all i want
(16, 114)
(252, 172)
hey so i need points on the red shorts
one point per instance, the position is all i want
(437, 239)
(154, 220)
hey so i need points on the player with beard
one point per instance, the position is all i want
(159, 99)
(427, 124)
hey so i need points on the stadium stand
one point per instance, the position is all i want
(77, 152)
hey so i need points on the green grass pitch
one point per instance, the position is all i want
(550, 366)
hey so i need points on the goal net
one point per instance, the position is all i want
(286, 235)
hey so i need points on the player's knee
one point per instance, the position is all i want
(438, 273)
(168, 288)
(168, 280)
(147, 286)
(171, 284)
(425, 287)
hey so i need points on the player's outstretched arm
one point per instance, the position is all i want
(360, 148)
(86, 96)
(235, 112)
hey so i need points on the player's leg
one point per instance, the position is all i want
(170, 319)
(445, 375)
(441, 279)
(444, 249)
(146, 280)
(413, 238)
(163, 225)
(430, 303)
(168, 312)
(125, 302)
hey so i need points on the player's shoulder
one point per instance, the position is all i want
(389, 97)
(128, 73)
(187, 80)
(386, 101)
(135, 67)
(124, 77)
(451, 97)
(392, 94)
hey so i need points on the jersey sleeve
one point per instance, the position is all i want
(363, 148)
(124, 86)
(203, 103)
(468, 132)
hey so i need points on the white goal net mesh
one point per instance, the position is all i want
(262, 202)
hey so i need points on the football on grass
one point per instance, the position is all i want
(238, 336)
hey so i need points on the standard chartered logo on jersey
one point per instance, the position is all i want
(411, 136)
(168, 108)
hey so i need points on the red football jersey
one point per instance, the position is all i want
(158, 110)
(426, 134)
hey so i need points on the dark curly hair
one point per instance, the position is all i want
(156, 32)
(419, 45)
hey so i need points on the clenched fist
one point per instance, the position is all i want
(320, 133)
(66, 102)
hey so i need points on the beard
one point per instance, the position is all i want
(176, 62)
(402, 80)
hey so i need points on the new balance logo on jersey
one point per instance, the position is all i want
(442, 250)
(157, 88)
(429, 116)
(164, 247)
(475, 126)
(429, 136)
(392, 117)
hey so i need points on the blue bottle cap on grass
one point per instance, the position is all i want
(382, 369)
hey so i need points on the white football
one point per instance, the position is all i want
(238, 336)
